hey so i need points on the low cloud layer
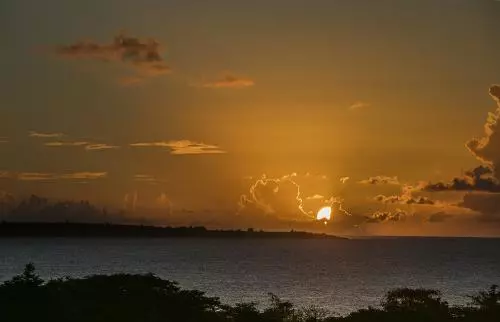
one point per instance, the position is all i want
(182, 147)
(144, 55)
(229, 81)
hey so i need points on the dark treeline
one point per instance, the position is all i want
(147, 298)
(11, 229)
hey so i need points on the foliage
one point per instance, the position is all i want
(147, 298)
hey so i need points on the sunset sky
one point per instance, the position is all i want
(258, 113)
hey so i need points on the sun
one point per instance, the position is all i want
(324, 213)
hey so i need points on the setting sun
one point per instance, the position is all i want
(324, 213)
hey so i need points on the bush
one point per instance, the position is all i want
(148, 298)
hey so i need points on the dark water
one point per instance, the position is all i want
(340, 275)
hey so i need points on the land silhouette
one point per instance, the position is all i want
(67, 229)
(148, 298)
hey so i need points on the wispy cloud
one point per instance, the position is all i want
(359, 105)
(45, 135)
(229, 81)
(343, 180)
(183, 147)
(83, 175)
(88, 146)
(377, 180)
(67, 143)
(100, 146)
(144, 55)
(36, 176)
(48, 176)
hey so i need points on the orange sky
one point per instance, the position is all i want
(176, 110)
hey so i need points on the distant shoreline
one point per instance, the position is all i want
(92, 230)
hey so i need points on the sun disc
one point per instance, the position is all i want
(324, 213)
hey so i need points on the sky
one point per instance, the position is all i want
(235, 114)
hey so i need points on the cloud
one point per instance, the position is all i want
(143, 55)
(47, 176)
(478, 179)
(229, 81)
(359, 105)
(46, 135)
(487, 204)
(344, 179)
(36, 176)
(83, 175)
(387, 216)
(100, 146)
(280, 197)
(60, 143)
(87, 145)
(381, 180)
(183, 147)
(487, 148)
(4, 139)
(406, 197)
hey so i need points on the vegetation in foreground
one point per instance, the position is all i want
(147, 298)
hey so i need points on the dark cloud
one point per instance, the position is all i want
(381, 180)
(477, 179)
(487, 148)
(487, 204)
(387, 216)
(143, 55)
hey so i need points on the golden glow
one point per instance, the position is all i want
(324, 213)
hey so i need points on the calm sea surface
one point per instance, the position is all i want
(340, 275)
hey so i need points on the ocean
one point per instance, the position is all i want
(337, 275)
